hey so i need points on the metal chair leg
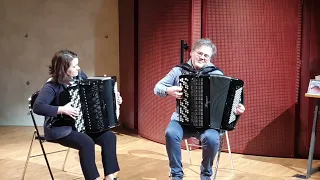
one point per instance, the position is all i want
(218, 158)
(65, 160)
(42, 148)
(229, 150)
(45, 157)
(28, 157)
(188, 149)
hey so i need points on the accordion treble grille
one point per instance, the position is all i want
(191, 105)
(92, 109)
(236, 101)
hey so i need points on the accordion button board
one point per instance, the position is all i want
(209, 101)
(96, 98)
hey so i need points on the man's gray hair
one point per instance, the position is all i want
(205, 42)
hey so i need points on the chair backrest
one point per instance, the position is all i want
(32, 99)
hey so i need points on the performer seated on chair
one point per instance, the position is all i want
(202, 52)
(64, 66)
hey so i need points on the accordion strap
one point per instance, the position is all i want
(188, 69)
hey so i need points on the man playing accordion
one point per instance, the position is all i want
(202, 52)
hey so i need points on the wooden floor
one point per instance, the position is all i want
(139, 159)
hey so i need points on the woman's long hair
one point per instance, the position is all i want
(60, 64)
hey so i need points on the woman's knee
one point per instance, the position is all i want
(107, 138)
(110, 136)
(77, 141)
(87, 144)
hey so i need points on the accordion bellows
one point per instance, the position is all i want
(209, 101)
(96, 99)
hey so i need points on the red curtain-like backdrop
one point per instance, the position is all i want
(162, 24)
(271, 45)
(258, 42)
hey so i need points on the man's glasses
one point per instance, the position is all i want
(206, 56)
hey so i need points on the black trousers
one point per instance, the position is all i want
(86, 146)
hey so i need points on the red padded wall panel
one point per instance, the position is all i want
(257, 41)
(127, 61)
(195, 34)
(195, 23)
(162, 24)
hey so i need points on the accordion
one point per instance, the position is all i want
(209, 101)
(96, 99)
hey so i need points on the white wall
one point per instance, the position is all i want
(78, 25)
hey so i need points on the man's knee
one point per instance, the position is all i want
(173, 135)
(211, 138)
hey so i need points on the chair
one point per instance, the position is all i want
(222, 133)
(41, 139)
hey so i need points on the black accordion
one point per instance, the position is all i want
(96, 99)
(209, 101)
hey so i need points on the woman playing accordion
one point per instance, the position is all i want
(64, 67)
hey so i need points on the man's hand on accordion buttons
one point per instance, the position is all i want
(119, 98)
(70, 111)
(240, 109)
(175, 91)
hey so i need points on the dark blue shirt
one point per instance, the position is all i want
(46, 104)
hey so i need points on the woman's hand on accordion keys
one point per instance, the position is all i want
(175, 91)
(69, 110)
(240, 109)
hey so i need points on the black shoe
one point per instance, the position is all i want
(176, 178)
(204, 177)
